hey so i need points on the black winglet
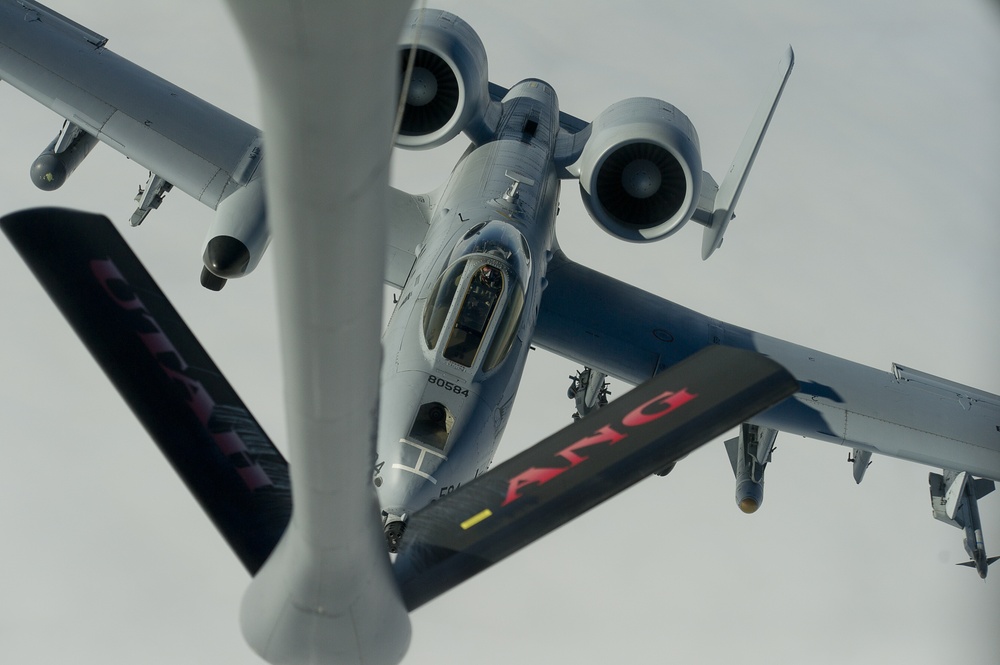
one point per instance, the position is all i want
(163, 373)
(590, 461)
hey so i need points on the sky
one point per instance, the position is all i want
(868, 229)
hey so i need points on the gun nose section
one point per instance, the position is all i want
(394, 525)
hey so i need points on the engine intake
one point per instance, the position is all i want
(237, 237)
(640, 171)
(448, 87)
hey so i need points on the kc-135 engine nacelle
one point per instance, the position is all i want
(447, 88)
(640, 170)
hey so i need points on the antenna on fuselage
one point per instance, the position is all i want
(511, 195)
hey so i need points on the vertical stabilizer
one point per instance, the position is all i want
(729, 191)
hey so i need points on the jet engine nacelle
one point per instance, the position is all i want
(58, 161)
(640, 170)
(237, 237)
(448, 87)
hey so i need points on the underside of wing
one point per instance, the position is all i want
(184, 141)
(197, 147)
(632, 335)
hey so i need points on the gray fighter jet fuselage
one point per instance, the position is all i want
(457, 341)
(473, 259)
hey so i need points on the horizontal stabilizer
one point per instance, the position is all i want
(584, 464)
(972, 564)
(163, 373)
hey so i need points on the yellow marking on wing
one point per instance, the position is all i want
(476, 519)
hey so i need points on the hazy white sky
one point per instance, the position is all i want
(868, 229)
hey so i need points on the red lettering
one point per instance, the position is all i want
(158, 343)
(645, 413)
(254, 477)
(200, 401)
(229, 443)
(604, 435)
(532, 476)
(107, 272)
(161, 348)
(667, 401)
(536, 476)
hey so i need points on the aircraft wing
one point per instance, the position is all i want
(632, 335)
(198, 148)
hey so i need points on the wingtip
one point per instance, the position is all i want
(787, 61)
(711, 240)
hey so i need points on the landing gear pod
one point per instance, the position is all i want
(58, 161)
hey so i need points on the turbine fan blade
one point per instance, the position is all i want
(162, 372)
(434, 113)
(635, 436)
(656, 206)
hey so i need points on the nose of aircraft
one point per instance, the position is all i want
(423, 425)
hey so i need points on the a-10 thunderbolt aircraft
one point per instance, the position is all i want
(476, 258)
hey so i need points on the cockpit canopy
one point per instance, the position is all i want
(476, 304)
(498, 239)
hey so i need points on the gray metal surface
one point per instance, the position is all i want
(201, 149)
(632, 334)
(327, 593)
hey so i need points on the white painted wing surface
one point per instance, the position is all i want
(202, 150)
(327, 79)
(199, 148)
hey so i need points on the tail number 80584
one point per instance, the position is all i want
(448, 385)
